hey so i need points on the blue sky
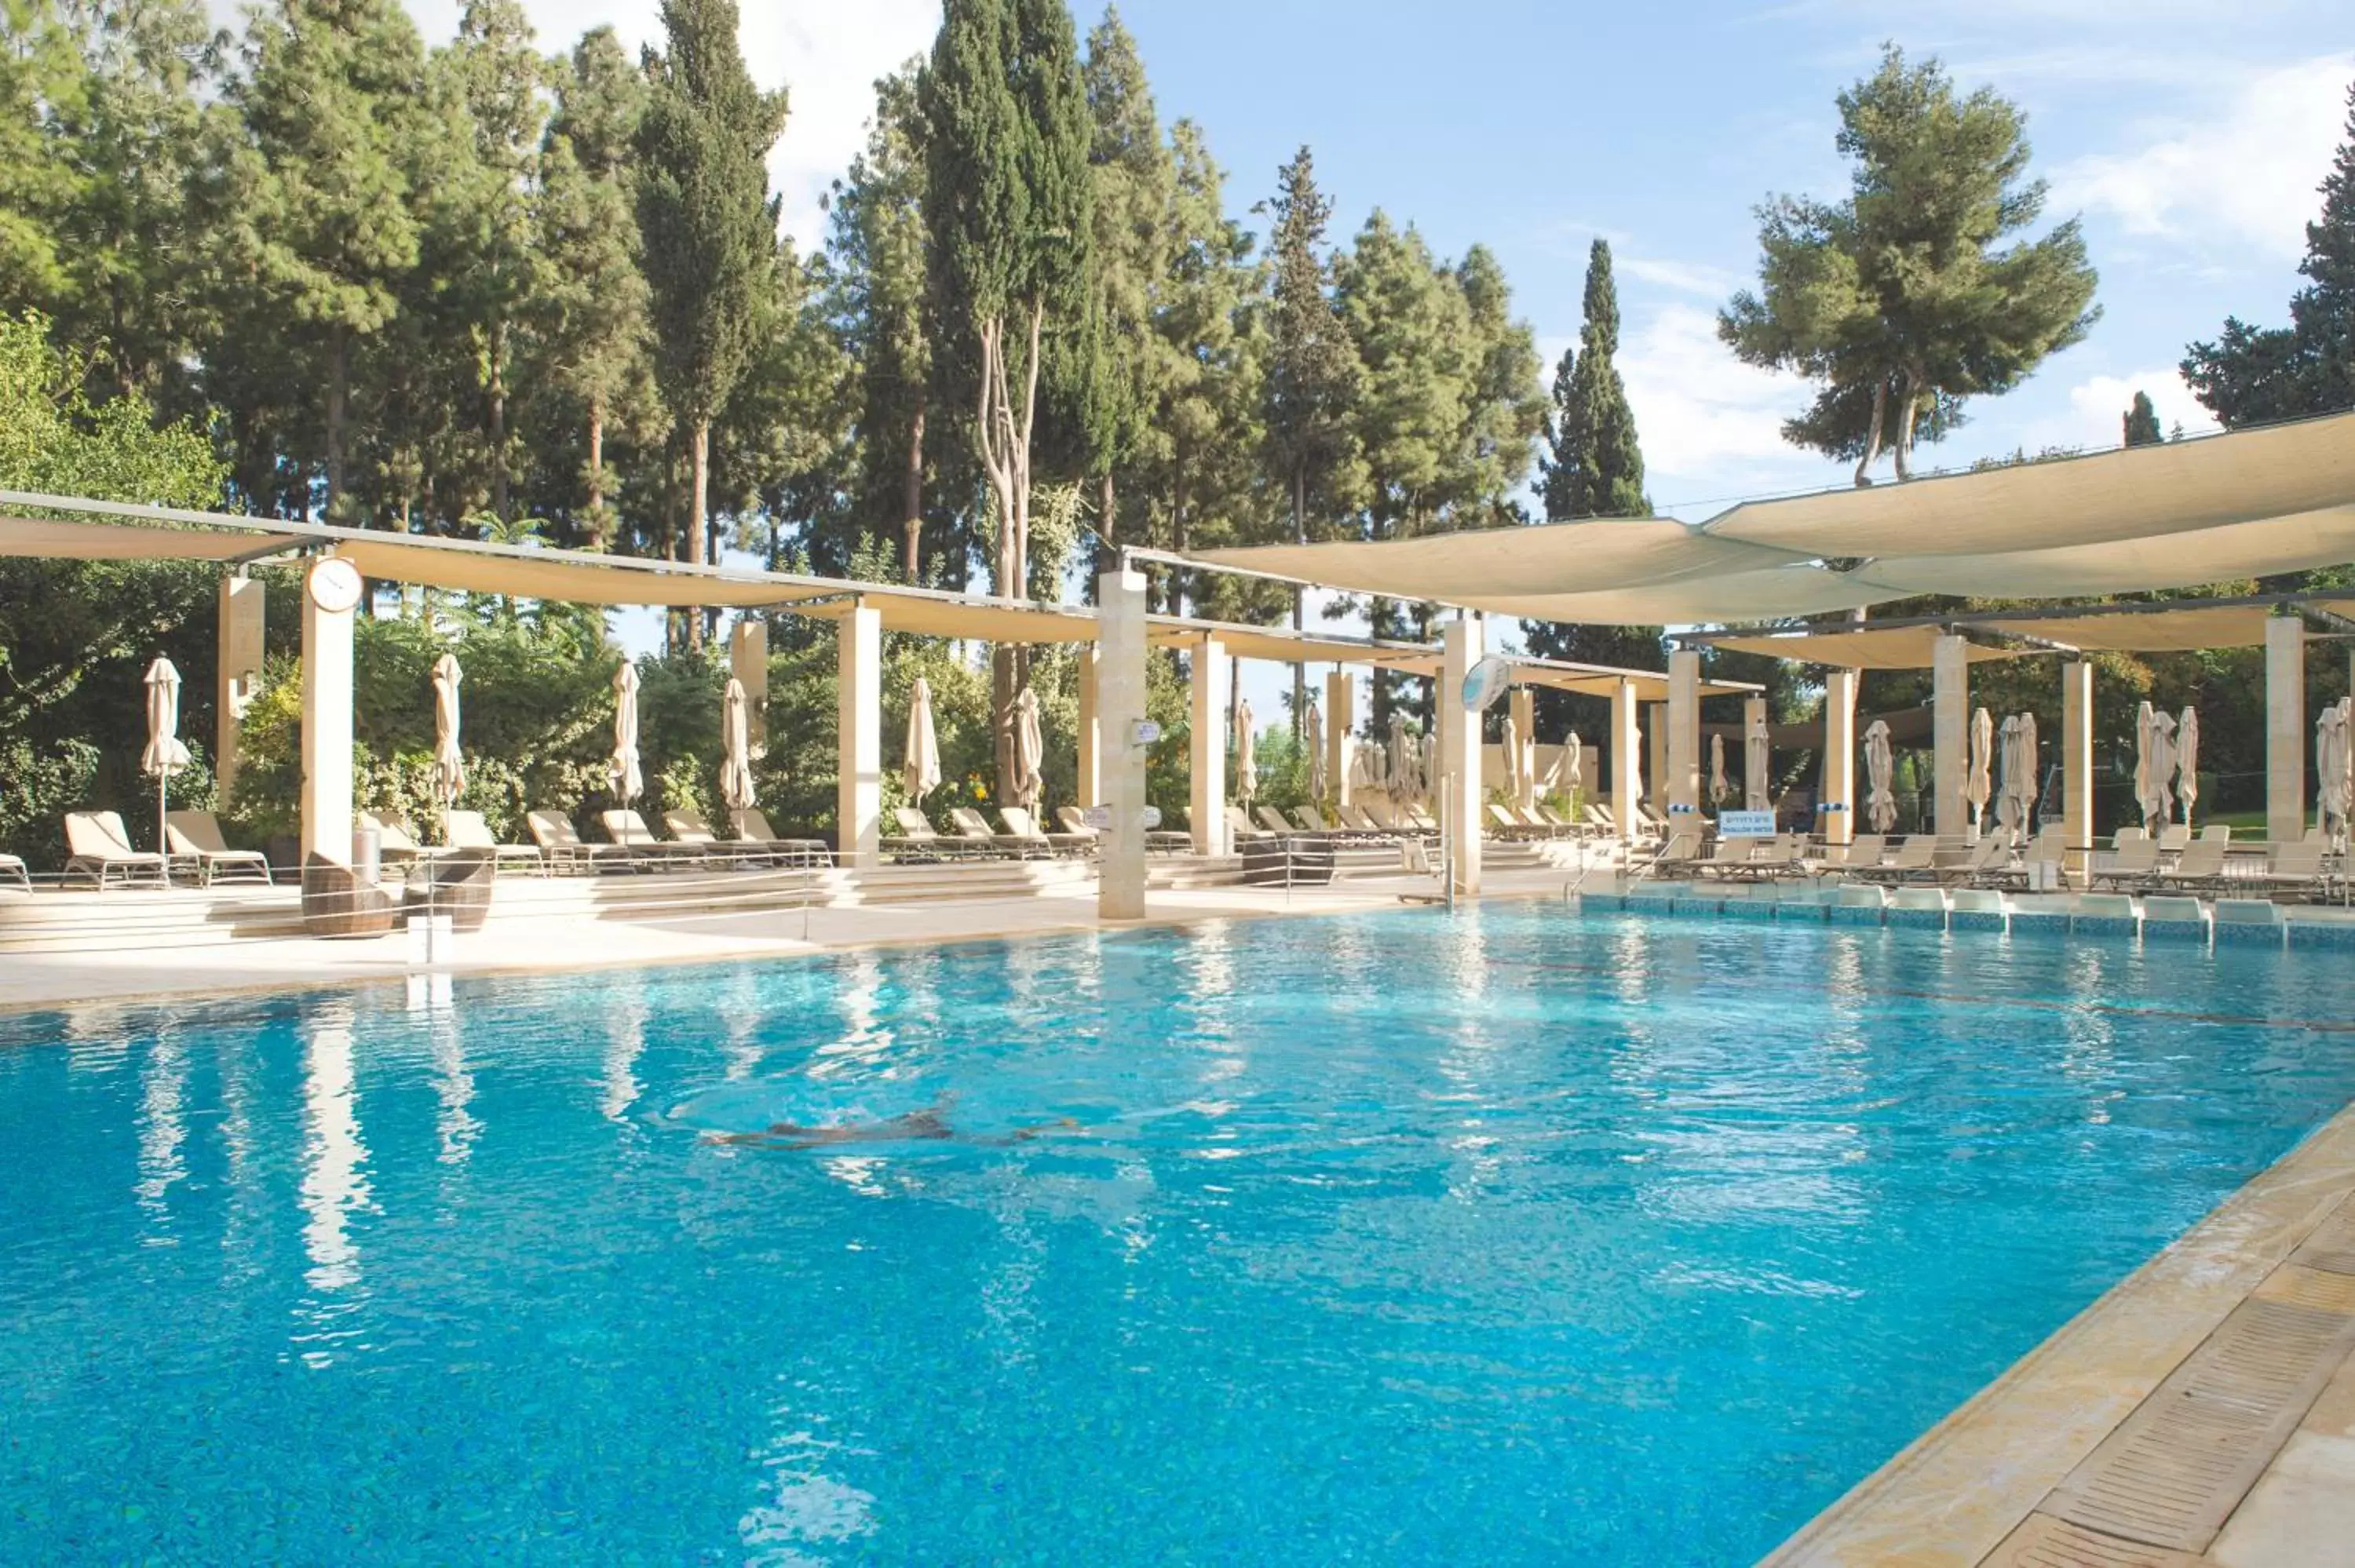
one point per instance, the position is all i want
(2189, 133)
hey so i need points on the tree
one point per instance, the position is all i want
(1897, 299)
(41, 74)
(2142, 423)
(2252, 374)
(593, 337)
(326, 220)
(1135, 180)
(875, 246)
(709, 226)
(1009, 216)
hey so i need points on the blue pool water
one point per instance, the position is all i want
(1509, 1238)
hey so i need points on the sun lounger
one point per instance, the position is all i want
(1860, 854)
(1075, 825)
(1022, 826)
(1275, 822)
(564, 847)
(1240, 828)
(2298, 868)
(471, 830)
(2217, 833)
(2198, 869)
(1680, 850)
(2172, 837)
(1989, 858)
(1916, 861)
(1502, 824)
(753, 835)
(919, 840)
(974, 829)
(98, 846)
(13, 870)
(394, 839)
(196, 836)
(2132, 861)
(628, 830)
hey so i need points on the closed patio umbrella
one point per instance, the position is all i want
(1512, 750)
(1572, 763)
(1246, 756)
(623, 772)
(1757, 761)
(920, 765)
(2150, 764)
(1977, 785)
(2186, 760)
(2007, 800)
(1030, 751)
(1313, 730)
(1400, 773)
(736, 748)
(1880, 767)
(1719, 791)
(2330, 769)
(165, 754)
(2028, 785)
(1529, 753)
(449, 762)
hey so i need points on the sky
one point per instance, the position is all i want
(2190, 135)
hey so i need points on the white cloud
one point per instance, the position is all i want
(1684, 277)
(2245, 177)
(1709, 424)
(2095, 420)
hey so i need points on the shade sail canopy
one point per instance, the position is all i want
(1586, 680)
(2153, 630)
(1278, 643)
(1893, 648)
(2174, 514)
(66, 540)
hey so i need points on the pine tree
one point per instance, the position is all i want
(2142, 423)
(1009, 219)
(709, 226)
(325, 220)
(593, 337)
(2250, 375)
(1134, 187)
(1897, 299)
(1504, 408)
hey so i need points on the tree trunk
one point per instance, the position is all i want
(912, 496)
(498, 390)
(1299, 602)
(1379, 709)
(597, 456)
(699, 501)
(338, 387)
(1174, 581)
(1905, 425)
(1872, 437)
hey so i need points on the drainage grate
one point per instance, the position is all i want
(2332, 1245)
(2176, 1469)
(2045, 1542)
(2302, 1286)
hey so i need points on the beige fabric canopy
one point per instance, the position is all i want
(1893, 648)
(2172, 514)
(2155, 630)
(58, 539)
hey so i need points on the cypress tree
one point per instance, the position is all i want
(2142, 423)
(1599, 426)
(708, 226)
(1133, 181)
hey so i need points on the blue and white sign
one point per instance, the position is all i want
(1745, 824)
(1097, 817)
(1151, 818)
(1147, 732)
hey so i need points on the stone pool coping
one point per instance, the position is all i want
(1963, 1492)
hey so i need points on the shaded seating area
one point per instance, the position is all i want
(98, 848)
(471, 830)
(195, 836)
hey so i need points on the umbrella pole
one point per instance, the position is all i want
(162, 844)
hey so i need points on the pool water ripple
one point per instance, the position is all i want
(1509, 1238)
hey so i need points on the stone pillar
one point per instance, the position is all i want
(2285, 728)
(1626, 741)
(1120, 709)
(1756, 793)
(748, 661)
(331, 591)
(1089, 784)
(1459, 747)
(1684, 735)
(858, 737)
(1656, 758)
(1837, 808)
(1206, 756)
(239, 676)
(1525, 728)
(1340, 697)
(1950, 718)
(2077, 755)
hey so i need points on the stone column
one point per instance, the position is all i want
(2077, 754)
(1626, 741)
(1340, 697)
(1757, 795)
(2285, 728)
(1656, 758)
(1838, 810)
(1120, 709)
(748, 661)
(1950, 717)
(858, 745)
(1459, 733)
(1207, 755)
(1684, 735)
(1090, 782)
(239, 676)
(331, 591)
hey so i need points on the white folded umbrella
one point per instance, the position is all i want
(1880, 768)
(2187, 761)
(623, 771)
(736, 791)
(449, 762)
(919, 763)
(165, 754)
(1246, 756)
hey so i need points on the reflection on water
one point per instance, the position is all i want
(162, 1129)
(335, 1185)
(625, 1037)
(802, 1506)
(453, 1086)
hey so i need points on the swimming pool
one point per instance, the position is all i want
(1506, 1237)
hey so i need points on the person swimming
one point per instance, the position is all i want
(930, 1125)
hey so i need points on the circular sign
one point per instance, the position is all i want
(335, 584)
(1485, 683)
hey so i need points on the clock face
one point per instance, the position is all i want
(335, 584)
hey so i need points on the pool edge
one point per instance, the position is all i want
(1955, 1494)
